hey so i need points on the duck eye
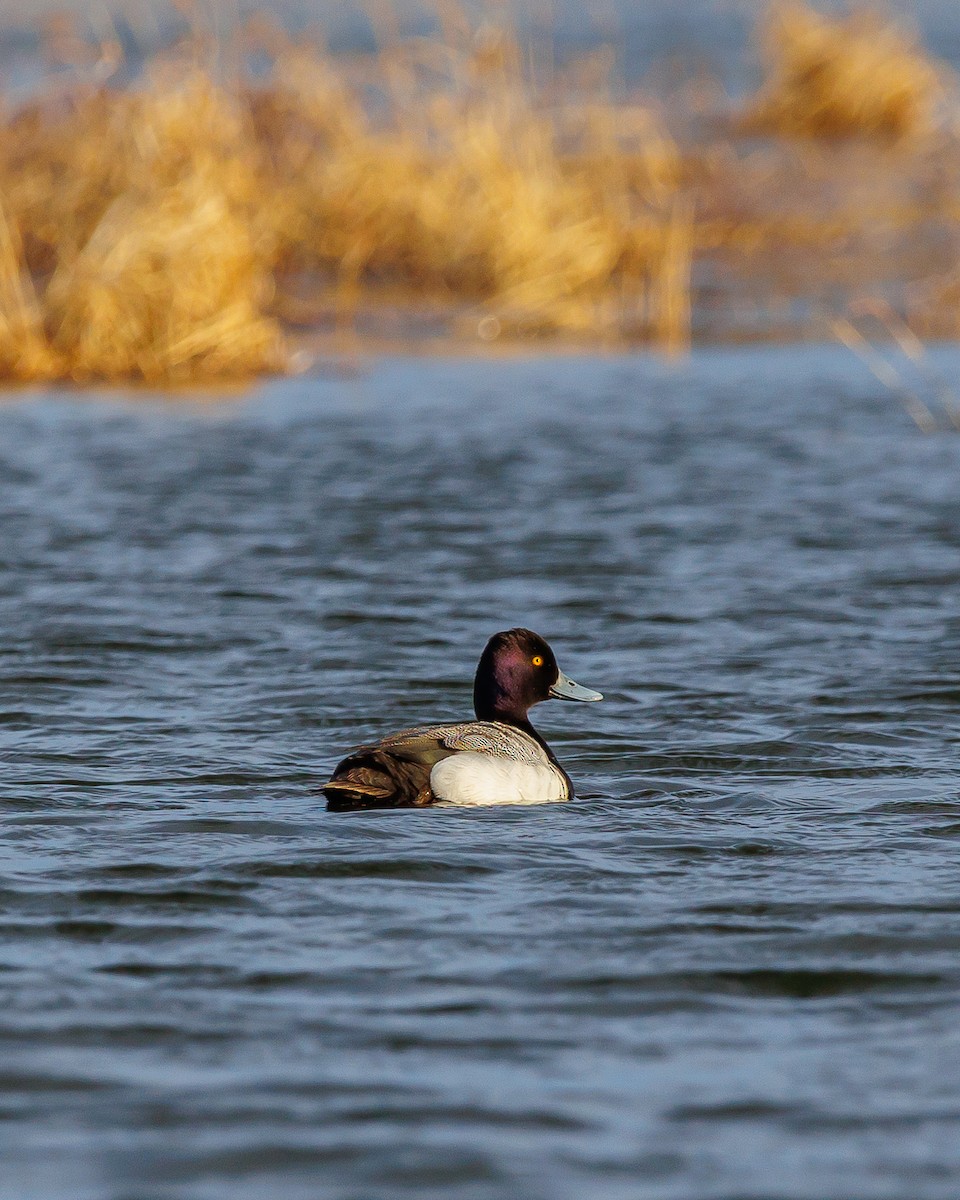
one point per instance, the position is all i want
(537, 660)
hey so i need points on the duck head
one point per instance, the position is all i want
(517, 670)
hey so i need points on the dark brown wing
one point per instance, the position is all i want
(395, 773)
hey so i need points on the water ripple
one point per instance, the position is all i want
(727, 969)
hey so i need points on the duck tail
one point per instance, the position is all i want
(345, 794)
(377, 780)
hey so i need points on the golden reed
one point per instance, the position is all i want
(157, 232)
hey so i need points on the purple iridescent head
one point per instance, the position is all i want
(517, 670)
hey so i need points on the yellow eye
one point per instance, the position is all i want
(537, 660)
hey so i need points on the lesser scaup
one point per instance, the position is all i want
(497, 759)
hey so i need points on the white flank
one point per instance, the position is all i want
(472, 778)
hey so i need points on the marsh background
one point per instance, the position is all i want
(283, 443)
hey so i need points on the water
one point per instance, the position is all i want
(651, 37)
(728, 969)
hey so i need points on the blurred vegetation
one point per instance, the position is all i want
(836, 77)
(208, 215)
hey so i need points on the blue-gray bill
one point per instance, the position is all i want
(566, 689)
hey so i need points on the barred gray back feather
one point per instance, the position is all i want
(485, 737)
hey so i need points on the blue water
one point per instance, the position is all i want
(653, 39)
(729, 969)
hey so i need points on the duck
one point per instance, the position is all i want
(497, 759)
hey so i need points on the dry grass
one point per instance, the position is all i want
(148, 230)
(463, 193)
(837, 77)
(165, 230)
(25, 353)
(135, 214)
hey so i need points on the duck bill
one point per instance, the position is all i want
(566, 689)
